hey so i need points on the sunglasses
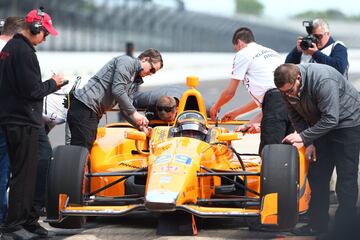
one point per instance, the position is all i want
(165, 108)
(152, 70)
(319, 36)
(290, 90)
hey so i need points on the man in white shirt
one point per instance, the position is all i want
(254, 64)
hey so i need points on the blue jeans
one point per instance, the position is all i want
(4, 176)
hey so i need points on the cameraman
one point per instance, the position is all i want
(323, 48)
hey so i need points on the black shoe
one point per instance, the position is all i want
(21, 234)
(38, 230)
(306, 230)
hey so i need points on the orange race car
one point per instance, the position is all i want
(190, 169)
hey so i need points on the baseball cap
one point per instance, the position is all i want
(36, 16)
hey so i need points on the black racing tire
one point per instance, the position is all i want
(67, 175)
(280, 173)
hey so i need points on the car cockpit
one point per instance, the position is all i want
(190, 124)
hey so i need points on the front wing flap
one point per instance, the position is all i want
(268, 212)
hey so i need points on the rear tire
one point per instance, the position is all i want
(280, 173)
(67, 175)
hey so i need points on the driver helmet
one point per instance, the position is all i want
(191, 124)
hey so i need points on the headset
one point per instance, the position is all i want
(36, 26)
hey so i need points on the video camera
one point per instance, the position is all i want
(307, 41)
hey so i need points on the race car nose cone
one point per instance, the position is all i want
(164, 201)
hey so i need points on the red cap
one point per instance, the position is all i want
(36, 16)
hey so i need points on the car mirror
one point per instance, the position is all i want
(140, 141)
(223, 137)
(140, 136)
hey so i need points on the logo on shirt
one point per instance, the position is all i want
(266, 53)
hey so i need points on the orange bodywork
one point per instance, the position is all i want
(174, 166)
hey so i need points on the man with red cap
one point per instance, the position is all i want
(21, 100)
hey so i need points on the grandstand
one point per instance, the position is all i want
(108, 27)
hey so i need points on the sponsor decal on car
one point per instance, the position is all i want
(183, 159)
(163, 159)
(167, 168)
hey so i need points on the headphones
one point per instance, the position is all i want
(36, 26)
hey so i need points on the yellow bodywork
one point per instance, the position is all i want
(173, 165)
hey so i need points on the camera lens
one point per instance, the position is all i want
(305, 44)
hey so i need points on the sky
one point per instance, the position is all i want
(278, 9)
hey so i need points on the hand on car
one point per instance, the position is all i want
(294, 139)
(248, 128)
(228, 116)
(213, 112)
(146, 130)
(140, 119)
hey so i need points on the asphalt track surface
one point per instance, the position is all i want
(143, 226)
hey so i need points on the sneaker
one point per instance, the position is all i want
(306, 230)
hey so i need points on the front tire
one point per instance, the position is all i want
(280, 173)
(66, 175)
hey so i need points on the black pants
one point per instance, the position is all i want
(83, 123)
(340, 148)
(44, 157)
(275, 123)
(22, 142)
